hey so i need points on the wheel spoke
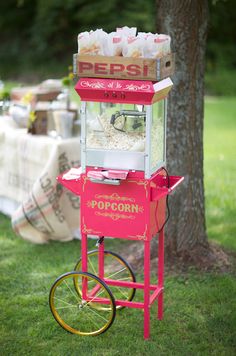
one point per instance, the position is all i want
(76, 296)
(122, 292)
(100, 316)
(121, 279)
(91, 319)
(79, 316)
(60, 300)
(96, 296)
(92, 266)
(68, 306)
(114, 274)
(115, 268)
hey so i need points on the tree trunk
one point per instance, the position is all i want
(186, 22)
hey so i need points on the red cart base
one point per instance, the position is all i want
(131, 208)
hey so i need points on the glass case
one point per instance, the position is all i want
(158, 136)
(123, 136)
(115, 126)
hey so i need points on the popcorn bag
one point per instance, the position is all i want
(124, 42)
(133, 47)
(158, 45)
(127, 31)
(92, 43)
(114, 44)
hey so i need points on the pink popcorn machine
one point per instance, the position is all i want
(123, 186)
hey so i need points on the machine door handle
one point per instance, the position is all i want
(105, 181)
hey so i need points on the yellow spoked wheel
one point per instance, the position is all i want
(116, 268)
(82, 313)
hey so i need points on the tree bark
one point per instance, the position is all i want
(186, 22)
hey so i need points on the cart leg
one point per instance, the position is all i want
(146, 289)
(84, 252)
(160, 273)
(101, 258)
(84, 263)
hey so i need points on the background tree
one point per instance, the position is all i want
(38, 37)
(186, 22)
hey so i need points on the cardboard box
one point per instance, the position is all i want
(38, 94)
(39, 126)
(123, 67)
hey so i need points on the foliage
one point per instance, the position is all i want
(221, 35)
(39, 37)
(48, 29)
(68, 80)
(16, 21)
(221, 82)
(4, 94)
(221, 50)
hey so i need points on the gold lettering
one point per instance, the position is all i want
(107, 205)
(134, 208)
(121, 207)
(101, 205)
(114, 206)
(127, 208)
(93, 204)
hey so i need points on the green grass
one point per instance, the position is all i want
(199, 309)
(199, 317)
(220, 169)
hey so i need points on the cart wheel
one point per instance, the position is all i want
(116, 268)
(82, 315)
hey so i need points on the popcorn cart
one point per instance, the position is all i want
(123, 185)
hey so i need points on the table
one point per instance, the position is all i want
(40, 209)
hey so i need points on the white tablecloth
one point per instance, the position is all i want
(29, 165)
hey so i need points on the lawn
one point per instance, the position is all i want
(200, 317)
(220, 169)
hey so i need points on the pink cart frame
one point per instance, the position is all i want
(134, 210)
